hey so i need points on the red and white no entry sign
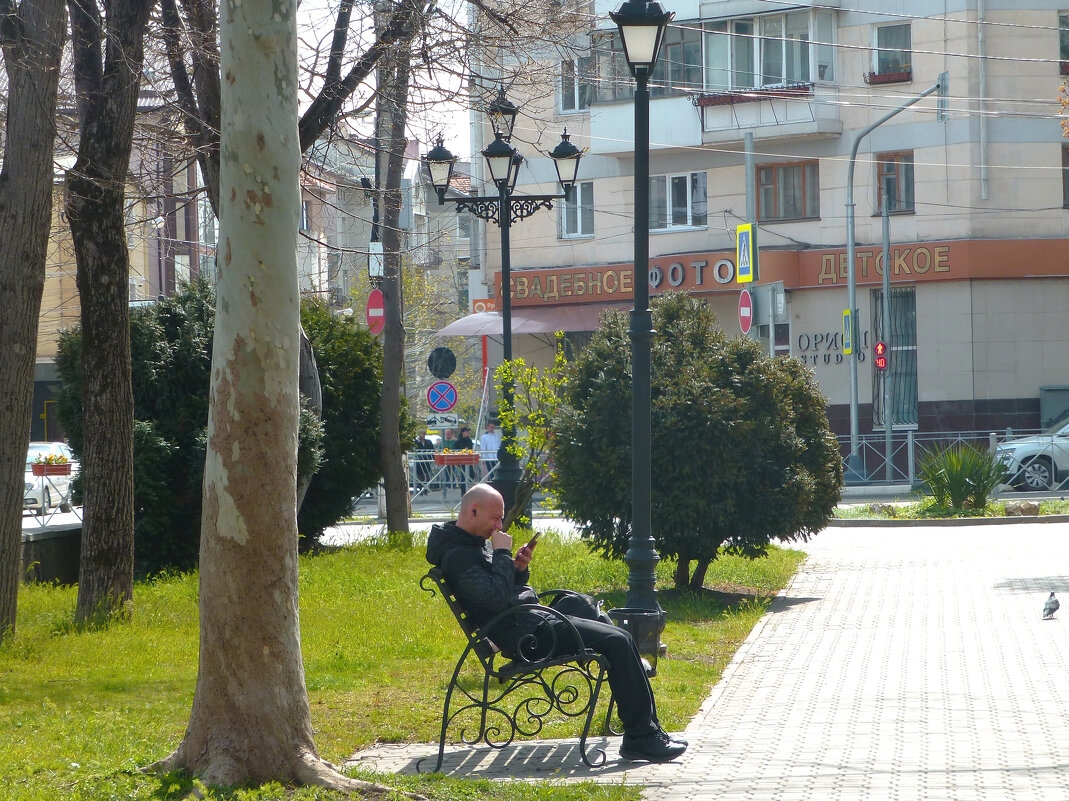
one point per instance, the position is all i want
(376, 312)
(745, 311)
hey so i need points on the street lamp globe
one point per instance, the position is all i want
(642, 24)
(440, 163)
(501, 161)
(503, 113)
(566, 159)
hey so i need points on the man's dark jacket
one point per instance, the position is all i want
(485, 581)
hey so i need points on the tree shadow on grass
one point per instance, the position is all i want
(709, 603)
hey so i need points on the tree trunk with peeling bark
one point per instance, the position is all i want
(32, 38)
(251, 720)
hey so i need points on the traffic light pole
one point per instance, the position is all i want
(885, 336)
(854, 467)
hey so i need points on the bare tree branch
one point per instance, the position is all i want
(197, 98)
(403, 25)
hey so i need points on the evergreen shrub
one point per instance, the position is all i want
(171, 348)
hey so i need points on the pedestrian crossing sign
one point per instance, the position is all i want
(744, 253)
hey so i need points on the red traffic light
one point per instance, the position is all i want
(880, 352)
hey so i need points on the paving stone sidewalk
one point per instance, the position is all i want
(898, 664)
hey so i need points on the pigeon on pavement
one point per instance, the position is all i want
(1050, 607)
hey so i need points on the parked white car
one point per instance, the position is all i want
(1038, 462)
(43, 493)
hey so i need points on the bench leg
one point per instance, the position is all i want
(445, 717)
(608, 717)
(595, 757)
(441, 736)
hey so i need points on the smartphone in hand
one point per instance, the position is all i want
(534, 540)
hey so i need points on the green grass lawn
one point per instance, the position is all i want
(926, 508)
(82, 710)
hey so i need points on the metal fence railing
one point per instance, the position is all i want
(425, 475)
(1047, 456)
(60, 501)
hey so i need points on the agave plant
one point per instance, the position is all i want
(961, 476)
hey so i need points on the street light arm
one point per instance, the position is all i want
(854, 459)
(520, 206)
(937, 86)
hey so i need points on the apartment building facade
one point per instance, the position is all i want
(977, 186)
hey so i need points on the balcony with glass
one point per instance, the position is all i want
(773, 74)
(770, 70)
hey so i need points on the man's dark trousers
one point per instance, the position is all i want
(627, 676)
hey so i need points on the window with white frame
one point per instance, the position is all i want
(769, 50)
(1065, 176)
(577, 214)
(209, 223)
(577, 89)
(781, 343)
(615, 75)
(679, 65)
(894, 172)
(788, 191)
(1063, 41)
(464, 226)
(894, 49)
(678, 201)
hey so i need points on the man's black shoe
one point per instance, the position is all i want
(656, 746)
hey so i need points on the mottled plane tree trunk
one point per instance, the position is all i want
(190, 34)
(251, 720)
(31, 34)
(108, 49)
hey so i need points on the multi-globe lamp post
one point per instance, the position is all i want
(642, 25)
(503, 162)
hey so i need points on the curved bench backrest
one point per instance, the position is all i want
(484, 648)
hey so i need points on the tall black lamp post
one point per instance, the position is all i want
(503, 162)
(642, 24)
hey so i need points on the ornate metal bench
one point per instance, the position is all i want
(525, 691)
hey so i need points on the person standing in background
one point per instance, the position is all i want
(490, 444)
(423, 448)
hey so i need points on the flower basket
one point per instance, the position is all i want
(456, 458)
(44, 469)
(728, 98)
(901, 76)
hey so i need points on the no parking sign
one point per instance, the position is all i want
(441, 396)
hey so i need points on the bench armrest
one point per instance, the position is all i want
(484, 646)
(554, 595)
(569, 633)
